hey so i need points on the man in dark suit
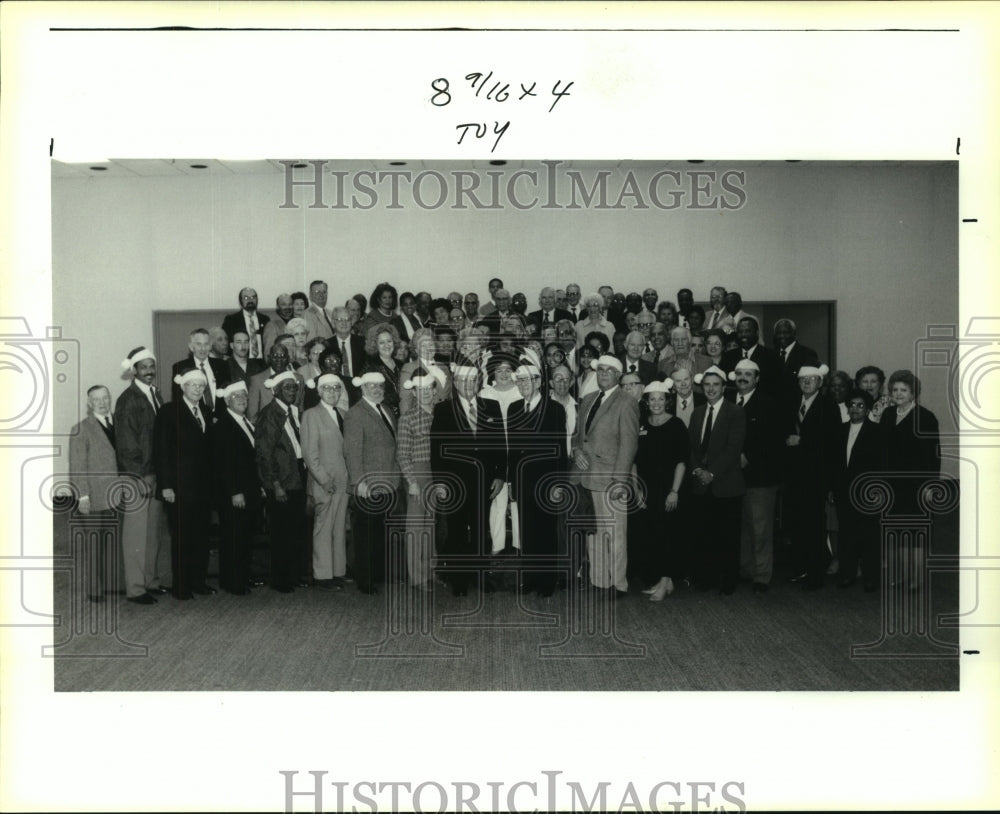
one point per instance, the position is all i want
(238, 492)
(761, 461)
(747, 335)
(281, 470)
(859, 449)
(375, 478)
(548, 313)
(144, 527)
(94, 474)
(183, 456)
(811, 427)
(536, 429)
(248, 321)
(633, 361)
(351, 349)
(494, 321)
(718, 429)
(239, 366)
(214, 370)
(576, 311)
(791, 356)
(460, 460)
(604, 447)
(259, 394)
(686, 399)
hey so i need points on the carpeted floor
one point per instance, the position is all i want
(786, 639)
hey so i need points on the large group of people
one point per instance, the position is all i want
(603, 441)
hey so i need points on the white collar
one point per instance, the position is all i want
(145, 388)
(745, 396)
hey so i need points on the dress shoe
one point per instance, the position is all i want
(255, 582)
(238, 591)
(370, 590)
(283, 589)
(845, 582)
(728, 589)
(328, 585)
(302, 583)
(799, 577)
(662, 588)
(95, 598)
(157, 590)
(183, 595)
(142, 599)
(615, 593)
(760, 587)
(204, 590)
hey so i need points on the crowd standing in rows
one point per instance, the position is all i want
(605, 440)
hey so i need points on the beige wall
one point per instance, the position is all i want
(879, 239)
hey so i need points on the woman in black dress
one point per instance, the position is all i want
(910, 438)
(381, 345)
(664, 449)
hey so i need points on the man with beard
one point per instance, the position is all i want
(144, 531)
(249, 321)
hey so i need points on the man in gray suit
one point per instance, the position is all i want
(323, 453)
(604, 447)
(94, 474)
(144, 528)
(718, 429)
(374, 473)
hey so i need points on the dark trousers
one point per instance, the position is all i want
(464, 540)
(655, 549)
(805, 524)
(237, 528)
(540, 549)
(371, 538)
(718, 536)
(188, 519)
(860, 541)
(288, 536)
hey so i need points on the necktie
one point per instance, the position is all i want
(340, 421)
(802, 411)
(575, 314)
(254, 338)
(782, 356)
(472, 416)
(108, 428)
(110, 423)
(545, 319)
(593, 412)
(249, 427)
(343, 357)
(739, 401)
(631, 368)
(707, 436)
(385, 418)
(746, 354)
(684, 404)
(291, 420)
(207, 395)
(197, 417)
(154, 396)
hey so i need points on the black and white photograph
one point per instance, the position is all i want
(383, 390)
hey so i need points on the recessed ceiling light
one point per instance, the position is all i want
(99, 169)
(199, 166)
(397, 163)
(299, 166)
(498, 162)
(696, 161)
(793, 160)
